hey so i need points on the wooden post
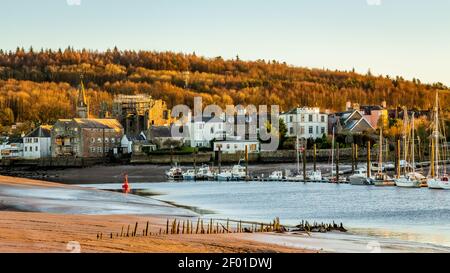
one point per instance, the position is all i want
(167, 227)
(135, 229)
(337, 162)
(219, 158)
(356, 156)
(228, 224)
(304, 162)
(315, 157)
(198, 225)
(368, 159)
(146, 230)
(397, 161)
(246, 161)
(121, 232)
(182, 230)
(128, 231)
(353, 158)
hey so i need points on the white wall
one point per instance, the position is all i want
(303, 120)
(201, 133)
(36, 147)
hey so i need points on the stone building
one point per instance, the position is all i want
(85, 137)
(137, 113)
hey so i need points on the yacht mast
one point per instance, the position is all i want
(436, 136)
(413, 164)
(405, 145)
(380, 156)
(297, 147)
(332, 153)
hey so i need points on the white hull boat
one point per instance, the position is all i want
(407, 182)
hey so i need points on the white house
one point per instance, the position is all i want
(306, 122)
(201, 132)
(235, 146)
(12, 149)
(37, 144)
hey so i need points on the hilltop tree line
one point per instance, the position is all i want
(40, 86)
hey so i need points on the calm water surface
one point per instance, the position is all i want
(412, 214)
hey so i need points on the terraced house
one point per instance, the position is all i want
(85, 137)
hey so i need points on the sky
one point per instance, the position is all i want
(409, 38)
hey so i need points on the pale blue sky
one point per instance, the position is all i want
(399, 37)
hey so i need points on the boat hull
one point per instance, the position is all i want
(407, 183)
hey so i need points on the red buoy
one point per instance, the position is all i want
(125, 185)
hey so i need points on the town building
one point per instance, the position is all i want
(376, 115)
(37, 144)
(305, 122)
(12, 149)
(352, 121)
(162, 137)
(82, 107)
(137, 113)
(204, 130)
(237, 146)
(85, 137)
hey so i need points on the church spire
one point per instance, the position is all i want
(82, 105)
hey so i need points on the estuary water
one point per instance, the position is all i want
(420, 215)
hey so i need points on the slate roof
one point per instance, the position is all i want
(99, 123)
(41, 131)
(160, 131)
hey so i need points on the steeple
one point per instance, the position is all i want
(82, 105)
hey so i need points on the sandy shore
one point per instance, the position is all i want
(64, 231)
(43, 232)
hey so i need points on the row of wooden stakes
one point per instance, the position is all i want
(188, 227)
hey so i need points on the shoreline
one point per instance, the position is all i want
(49, 230)
(43, 231)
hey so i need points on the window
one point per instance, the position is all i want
(302, 130)
(36, 148)
(302, 118)
(291, 130)
(106, 140)
(99, 149)
(212, 130)
(113, 140)
(322, 130)
(291, 119)
(311, 129)
(228, 146)
(92, 149)
(310, 118)
(317, 129)
(26, 149)
(322, 118)
(92, 140)
(99, 140)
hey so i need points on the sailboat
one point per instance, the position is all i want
(439, 178)
(381, 178)
(408, 179)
